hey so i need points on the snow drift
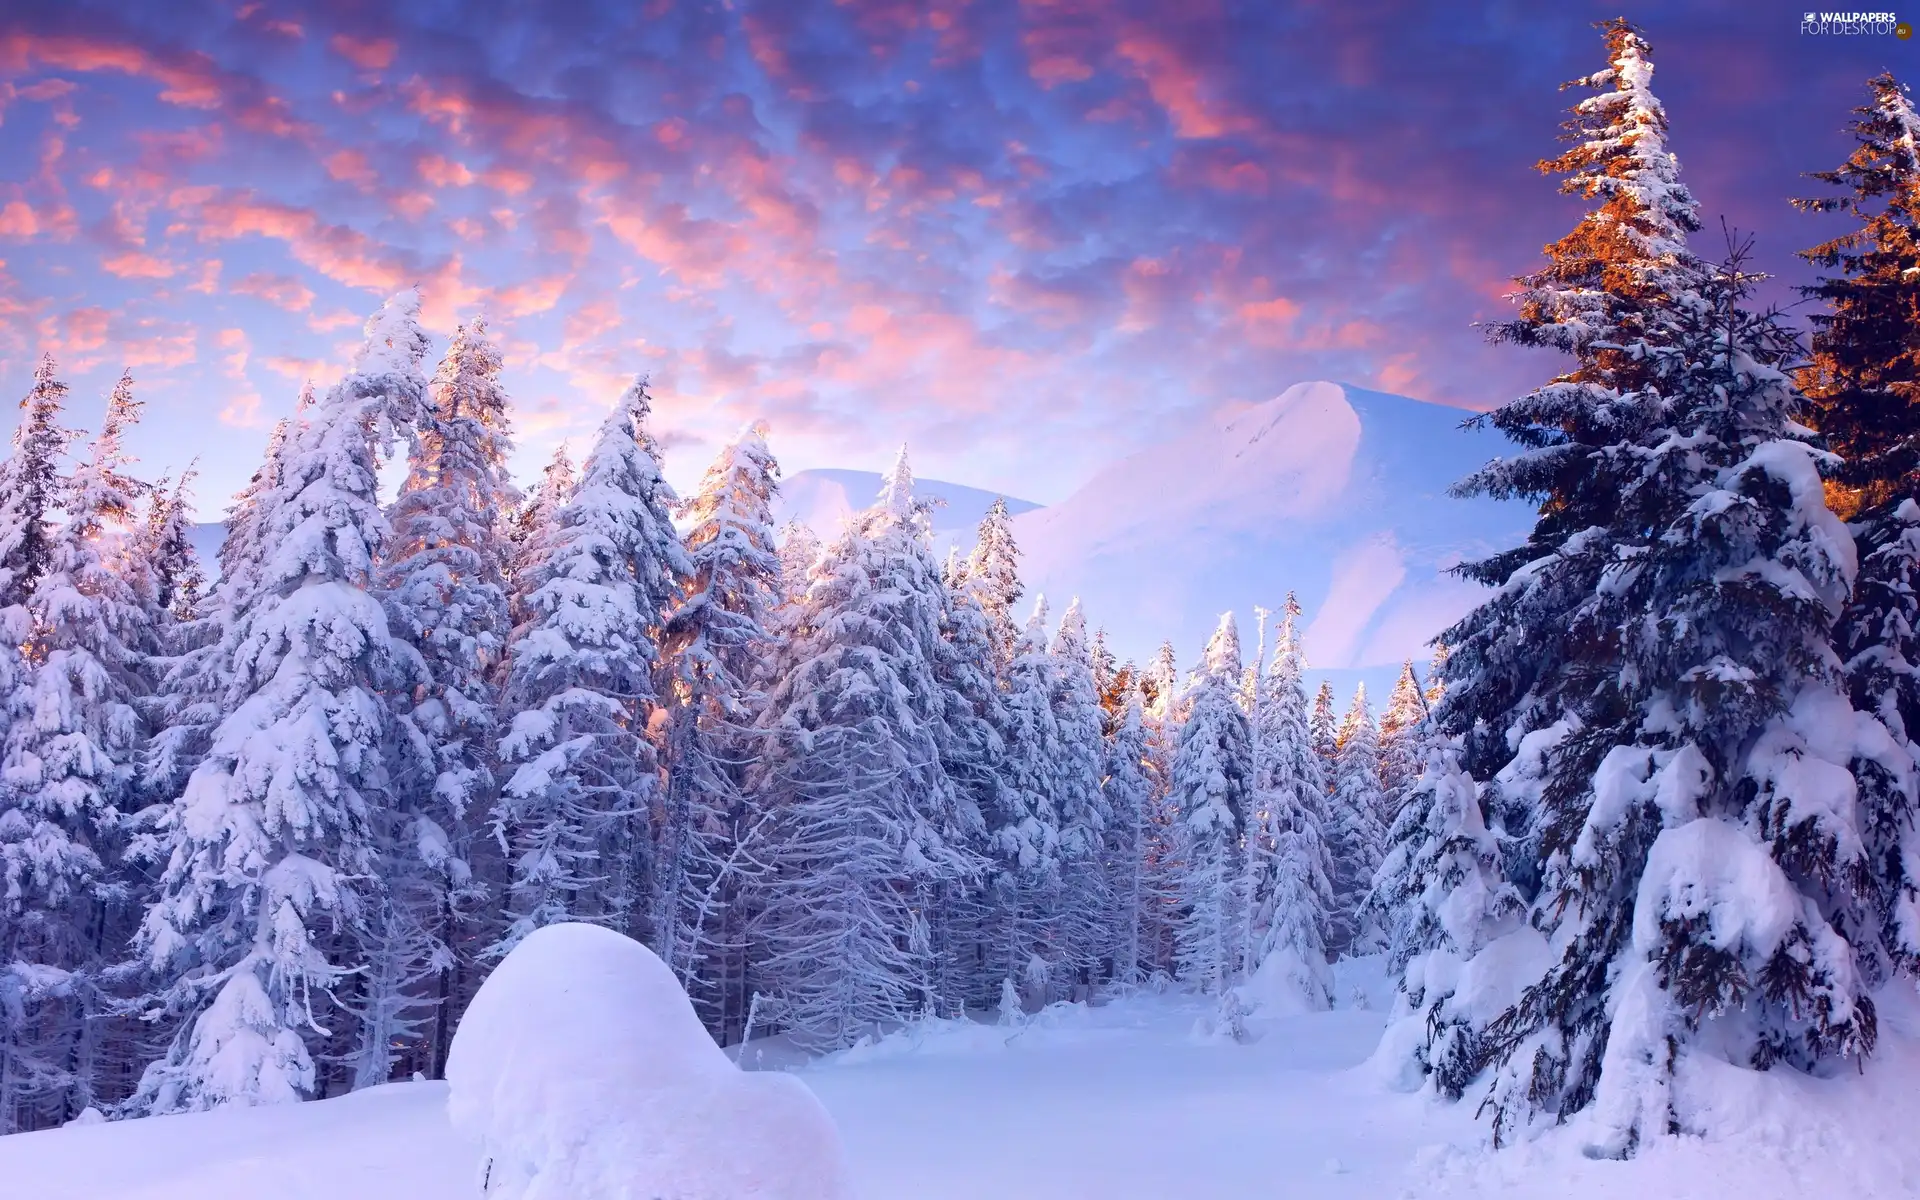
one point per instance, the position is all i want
(582, 1073)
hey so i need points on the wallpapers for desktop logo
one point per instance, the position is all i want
(1855, 24)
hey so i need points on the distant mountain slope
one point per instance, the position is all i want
(823, 497)
(1335, 492)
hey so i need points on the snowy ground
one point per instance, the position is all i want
(1106, 1104)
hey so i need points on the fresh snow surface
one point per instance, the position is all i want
(581, 1073)
(1120, 1102)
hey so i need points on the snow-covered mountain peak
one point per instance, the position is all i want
(1335, 492)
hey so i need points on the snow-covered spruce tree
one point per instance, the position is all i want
(1128, 789)
(1700, 788)
(1402, 729)
(1084, 905)
(1656, 657)
(1442, 897)
(1863, 378)
(1293, 870)
(973, 753)
(1024, 831)
(993, 573)
(1731, 771)
(270, 845)
(442, 580)
(191, 694)
(1864, 384)
(865, 823)
(243, 548)
(74, 738)
(172, 562)
(1162, 709)
(31, 486)
(1212, 791)
(1160, 686)
(530, 530)
(1603, 283)
(1121, 687)
(1356, 836)
(1324, 725)
(712, 647)
(799, 550)
(1106, 670)
(582, 775)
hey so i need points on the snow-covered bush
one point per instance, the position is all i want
(583, 1073)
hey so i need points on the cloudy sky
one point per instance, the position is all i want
(1023, 235)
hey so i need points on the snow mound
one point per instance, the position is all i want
(1288, 985)
(582, 1073)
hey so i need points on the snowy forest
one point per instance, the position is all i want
(267, 824)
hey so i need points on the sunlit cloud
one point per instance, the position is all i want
(1026, 234)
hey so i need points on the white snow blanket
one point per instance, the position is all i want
(582, 1073)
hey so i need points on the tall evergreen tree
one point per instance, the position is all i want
(1078, 801)
(1024, 831)
(993, 572)
(74, 738)
(973, 754)
(1160, 874)
(799, 550)
(1160, 686)
(531, 527)
(243, 548)
(1212, 790)
(1864, 384)
(30, 487)
(443, 582)
(1128, 788)
(866, 826)
(1292, 870)
(1598, 298)
(173, 563)
(192, 695)
(1660, 649)
(1356, 835)
(1721, 769)
(582, 775)
(1324, 725)
(1106, 668)
(269, 846)
(1401, 756)
(712, 645)
(1863, 378)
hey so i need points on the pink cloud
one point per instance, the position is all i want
(1179, 86)
(17, 219)
(137, 265)
(533, 296)
(189, 79)
(339, 252)
(369, 54)
(282, 291)
(443, 172)
(351, 166)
